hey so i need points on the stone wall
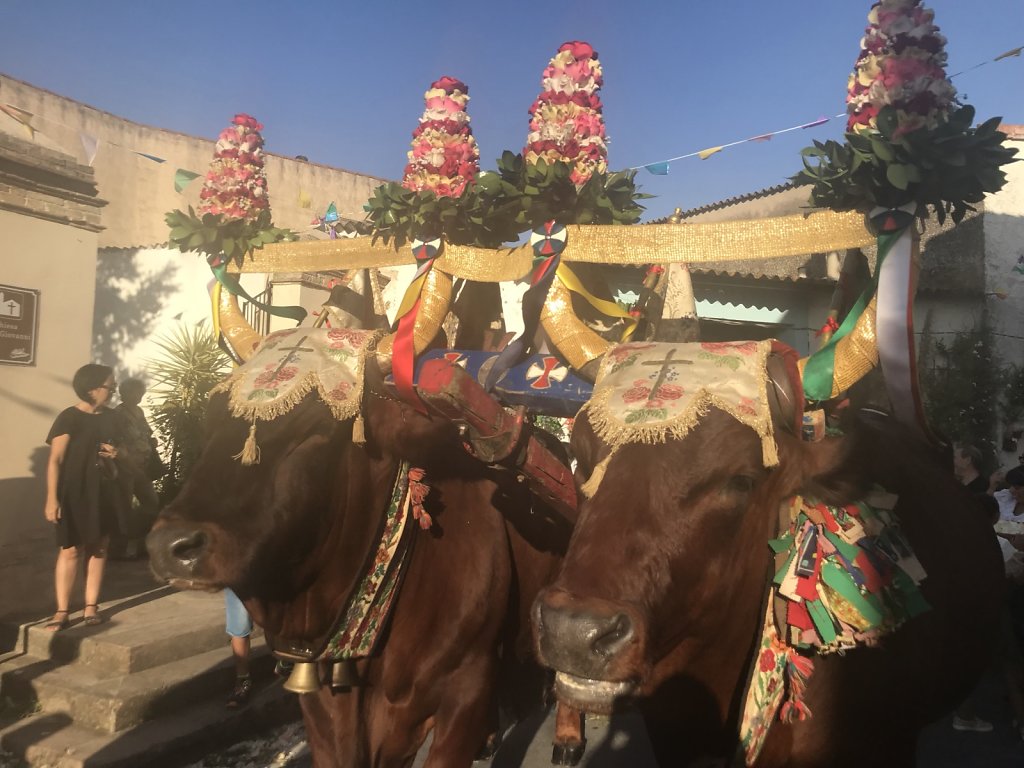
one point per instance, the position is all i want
(50, 217)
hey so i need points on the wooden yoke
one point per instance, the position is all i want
(496, 435)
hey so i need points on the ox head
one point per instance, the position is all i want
(667, 567)
(290, 534)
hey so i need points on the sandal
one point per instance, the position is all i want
(92, 621)
(240, 696)
(56, 625)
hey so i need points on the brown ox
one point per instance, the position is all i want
(660, 595)
(291, 536)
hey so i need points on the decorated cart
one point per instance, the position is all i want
(911, 151)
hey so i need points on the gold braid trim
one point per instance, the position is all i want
(771, 238)
(856, 353)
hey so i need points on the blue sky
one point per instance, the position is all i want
(343, 82)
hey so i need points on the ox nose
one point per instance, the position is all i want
(174, 552)
(582, 638)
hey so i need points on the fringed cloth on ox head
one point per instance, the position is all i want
(655, 392)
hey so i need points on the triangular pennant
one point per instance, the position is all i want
(182, 178)
(91, 146)
(23, 117)
(819, 121)
(704, 154)
(658, 169)
(331, 217)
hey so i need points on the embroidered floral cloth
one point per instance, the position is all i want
(291, 363)
(649, 392)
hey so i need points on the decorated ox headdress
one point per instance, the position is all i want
(290, 364)
(655, 392)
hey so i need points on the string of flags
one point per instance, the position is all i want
(661, 168)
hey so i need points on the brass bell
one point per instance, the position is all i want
(304, 678)
(344, 674)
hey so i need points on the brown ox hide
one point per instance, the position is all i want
(291, 536)
(660, 595)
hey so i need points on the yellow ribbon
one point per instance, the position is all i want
(569, 279)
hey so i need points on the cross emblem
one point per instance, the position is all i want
(291, 353)
(543, 376)
(665, 367)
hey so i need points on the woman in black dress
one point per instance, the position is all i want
(81, 489)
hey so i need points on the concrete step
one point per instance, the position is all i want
(139, 633)
(110, 703)
(53, 740)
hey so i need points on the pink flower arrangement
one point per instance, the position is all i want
(236, 184)
(444, 158)
(566, 125)
(902, 64)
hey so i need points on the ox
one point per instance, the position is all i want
(291, 535)
(661, 594)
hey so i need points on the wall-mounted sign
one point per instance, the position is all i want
(19, 319)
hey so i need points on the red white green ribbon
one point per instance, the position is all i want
(403, 358)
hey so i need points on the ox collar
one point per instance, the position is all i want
(843, 578)
(369, 606)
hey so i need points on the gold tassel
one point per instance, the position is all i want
(358, 430)
(590, 487)
(250, 453)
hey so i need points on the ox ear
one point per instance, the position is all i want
(832, 471)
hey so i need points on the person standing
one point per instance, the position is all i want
(81, 490)
(138, 459)
(238, 624)
(967, 468)
(1011, 498)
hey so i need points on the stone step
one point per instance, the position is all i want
(140, 633)
(94, 699)
(53, 740)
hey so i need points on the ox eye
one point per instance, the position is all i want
(740, 484)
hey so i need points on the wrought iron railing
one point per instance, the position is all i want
(258, 318)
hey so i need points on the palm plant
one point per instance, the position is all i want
(188, 367)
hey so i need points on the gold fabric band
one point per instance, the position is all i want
(435, 300)
(596, 244)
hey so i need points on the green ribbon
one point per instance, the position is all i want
(230, 282)
(820, 368)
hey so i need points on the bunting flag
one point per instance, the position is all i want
(305, 201)
(661, 168)
(91, 145)
(23, 117)
(182, 178)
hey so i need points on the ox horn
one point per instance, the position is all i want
(435, 299)
(856, 354)
(579, 345)
(240, 338)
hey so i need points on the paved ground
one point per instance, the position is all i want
(619, 743)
